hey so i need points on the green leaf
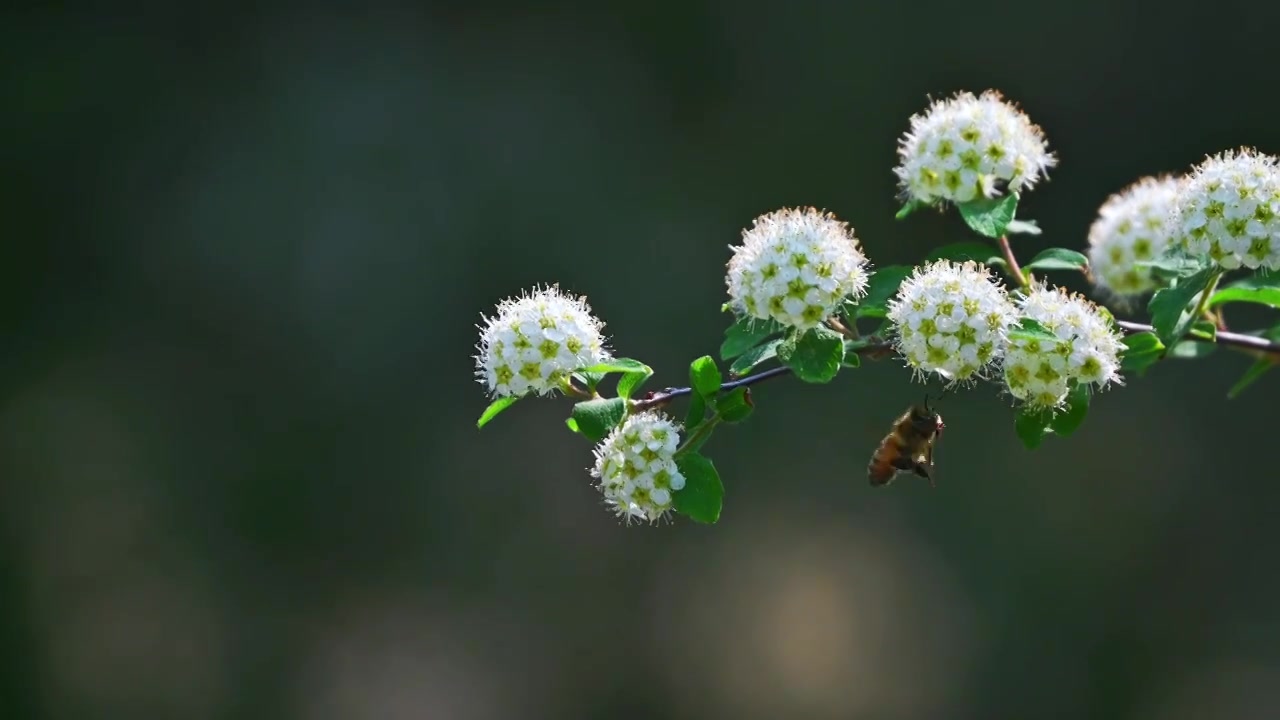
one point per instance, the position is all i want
(596, 418)
(734, 406)
(494, 408)
(1173, 266)
(704, 376)
(697, 412)
(1031, 425)
(1171, 308)
(1066, 421)
(1255, 371)
(910, 207)
(881, 288)
(990, 216)
(971, 250)
(1141, 351)
(745, 334)
(851, 359)
(1023, 227)
(619, 365)
(1191, 349)
(572, 424)
(702, 496)
(753, 357)
(1028, 330)
(590, 379)
(814, 356)
(630, 382)
(1269, 296)
(1058, 259)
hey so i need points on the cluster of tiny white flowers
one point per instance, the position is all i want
(961, 147)
(1133, 225)
(951, 319)
(1229, 209)
(636, 466)
(536, 341)
(796, 266)
(1040, 373)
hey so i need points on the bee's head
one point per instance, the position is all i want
(926, 419)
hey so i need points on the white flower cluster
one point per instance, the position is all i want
(1040, 372)
(636, 466)
(535, 342)
(1229, 209)
(1133, 225)
(796, 267)
(961, 147)
(951, 319)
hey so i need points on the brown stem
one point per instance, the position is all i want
(1012, 261)
(1249, 343)
(662, 397)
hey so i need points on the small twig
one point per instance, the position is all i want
(1012, 262)
(662, 397)
(1251, 343)
(834, 323)
(1203, 306)
(704, 429)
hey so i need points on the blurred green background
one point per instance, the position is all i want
(244, 254)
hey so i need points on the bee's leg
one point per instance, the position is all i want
(904, 463)
(924, 471)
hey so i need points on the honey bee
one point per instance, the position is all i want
(908, 447)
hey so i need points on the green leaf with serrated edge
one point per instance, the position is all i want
(1268, 296)
(1028, 330)
(813, 356)
(1191, 349)
(971, 250)
(753, 357)
(1141, 351)
(881, 288)
(494, 408)
(1031, 425)
(1170, 308)
(1058, 259)
(704, 376)
(1067, 420)
(630, 382)
(596, 418)
(619, 365)
(910, 207)
(745, 334)
(590, 379)
(1255, 371)
(735, 405)
(702, 496)
(1023, 227)
(990, 216)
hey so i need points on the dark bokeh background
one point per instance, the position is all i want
(243, 256)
